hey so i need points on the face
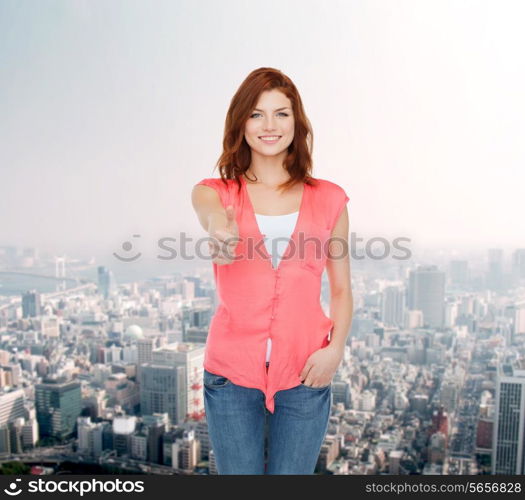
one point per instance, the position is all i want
(272, 116)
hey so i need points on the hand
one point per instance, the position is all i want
(321, 366)
(225, 237)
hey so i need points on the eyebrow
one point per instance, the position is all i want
(278, 109)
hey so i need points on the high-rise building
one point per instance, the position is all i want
(172, 382)
(188, 289)
(90, 436)
(123, 429)
(392, 306)
(494, 276)
(484, 432)
(508, 452)
(195, 335)
(440, 422)
(139, 445)
(185, 451)
(191, 356)
(156, 427)
(106, 282)
(426, 293)
(518, 320)
(163, 389)
(58, 404)
(195, 318)
(199, 292)
(11, 406)
(203, 435)
(518, 265)
(144, 350)
(31, 304)
(459, 273)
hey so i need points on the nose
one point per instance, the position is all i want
(268, 124)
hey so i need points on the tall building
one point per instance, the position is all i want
(11, 436)
(156, 426)
(195, 322)
(144, 350)
(392, 306)
(58, 404)
(518, 321)
(31, 304)
(202, 433)
(426, 293)
(484, 432)
(198, 290)
(195, 335)
(508, 452)
(123, 428)
(139, 445)
(459, 273)
(163, 389)
(518, 265)
(494, 276)
(185, 451)
(90, 436)
(106, 282)
(11, 406)
(188, 289)
(440, 422)
(191, 356)
(172, 382)
(168, 440)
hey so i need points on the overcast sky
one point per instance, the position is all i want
(110, 111)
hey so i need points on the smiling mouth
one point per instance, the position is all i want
(270, 138)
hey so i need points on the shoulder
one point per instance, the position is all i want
(214, 182)
(331, 198)
(220, 185)
(224, 188)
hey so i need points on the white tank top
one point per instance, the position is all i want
(277, 230)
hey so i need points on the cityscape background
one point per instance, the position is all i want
(112, 111)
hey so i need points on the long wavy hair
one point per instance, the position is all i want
(236, 156)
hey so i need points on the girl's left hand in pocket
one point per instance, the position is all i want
(321, 366)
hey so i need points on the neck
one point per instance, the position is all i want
(266, 176)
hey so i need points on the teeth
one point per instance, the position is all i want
(270, 137)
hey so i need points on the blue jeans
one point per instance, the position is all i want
(239, 424)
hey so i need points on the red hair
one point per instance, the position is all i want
(236, 156)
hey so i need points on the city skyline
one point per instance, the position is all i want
(430, 382)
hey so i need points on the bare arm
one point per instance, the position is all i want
(323, 363)
(207, 205)
(338, 270)
(217, 221)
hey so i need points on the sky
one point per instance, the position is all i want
(110, 112)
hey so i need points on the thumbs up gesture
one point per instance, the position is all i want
(224, 235)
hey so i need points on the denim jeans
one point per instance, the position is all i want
(240, 425)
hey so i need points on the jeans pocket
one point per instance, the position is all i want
(214, 381)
